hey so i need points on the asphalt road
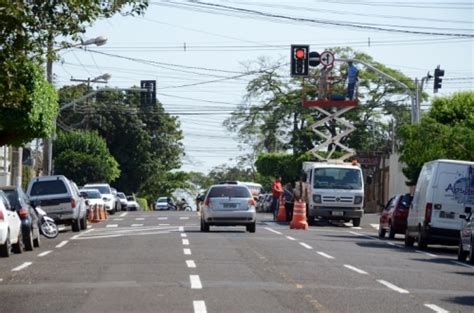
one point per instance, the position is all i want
(161, 262)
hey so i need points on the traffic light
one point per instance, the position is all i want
(299, 60)
(148, 97)
(438, 73)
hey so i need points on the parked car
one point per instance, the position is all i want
(393, 218)
(29, 219)
(118, 205)
(132, 204)
(466, 242)
(265, 203)
(107, 195)
(164, 203)
(228, 205)
(92, 197)
(10, 228)
(438, 203)
(60, 199)
(123, 200)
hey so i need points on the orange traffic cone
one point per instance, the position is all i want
(281, 217)
(95, 214)
(299, 216)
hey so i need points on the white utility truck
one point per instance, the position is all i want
(334, 191)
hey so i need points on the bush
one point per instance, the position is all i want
(143, 203)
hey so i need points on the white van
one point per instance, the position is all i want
(440, 197)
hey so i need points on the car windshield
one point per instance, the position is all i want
(51, 187)
(91, 194)
(337, 178)
(162, 200)
(121, 195)
(102, 189)
(229, 192)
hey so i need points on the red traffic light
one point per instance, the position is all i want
(300, 53)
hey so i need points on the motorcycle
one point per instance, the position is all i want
(47, 225)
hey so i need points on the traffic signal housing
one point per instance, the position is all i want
(299, 60)
(438, 73)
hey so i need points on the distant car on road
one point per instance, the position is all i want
(93, 197)
(228, 205)
(107, 195)
(10, 228)
(123, 200)
(132, 204)
(466, 244)
(393, 218)
(163, 204)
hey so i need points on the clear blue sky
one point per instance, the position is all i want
(223, 38)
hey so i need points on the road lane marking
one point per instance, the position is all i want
(362, 235)
(195, 282)
(392, 286)
(164, 224)
(306, 245)
(42, 254)
(463, 264)
(273, 231)
(190, 264)
(111, 225)
(436, 308)
(75, 237)
(118, 219)
(187, 251)
(184, 235)
(1, 279)
(62, 244)
(355, 269)
(184, 218)
(123, 214)
(139, 219)
(87, 231)
(137, 225)
(21, 267)
(181, 228)
(376, 226)
(162, 218)
(428, 254)
(290, 238)
(185, 242)
(325, 255)
(199, 307)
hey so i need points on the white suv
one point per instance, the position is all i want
(107, 195)
(60, 198)
(10, 228)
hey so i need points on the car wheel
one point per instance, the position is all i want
(471, 252)
(382, 231)
(6, 248)
(28, 241)
(204, 226)
(19, 246)
(356, 222)
(409, 241)
(76, 225)
(84, 223)
(462, 255)
(36, 241)
(252, 227)
(311, 220)
(421, 239)
(391, 231)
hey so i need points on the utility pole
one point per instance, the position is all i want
(17, 170)
(48, 142)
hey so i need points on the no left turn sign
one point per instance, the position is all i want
(327, 58)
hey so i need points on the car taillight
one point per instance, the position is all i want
(429, 209)
(208, 202)
(23, 213)
(73, 203)
(251, 202)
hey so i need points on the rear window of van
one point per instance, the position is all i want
(51, 187)
(229, 191)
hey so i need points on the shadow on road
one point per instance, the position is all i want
(464, 300)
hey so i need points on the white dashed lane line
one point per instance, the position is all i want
(111, 226)
(463, 264)
(190, 264)
(62, 244)
(290, 238)
(181, 228)
(199, 307)
(392, 286)
(184, 218)
(273, 231)
(195, 282)
(21, 267)
(118, 219)
(306, 245)
(123, 214)
(42, 254)
(185, 242)
(140, 219)
(162, 218)
(137, 225)
(164, 224)
(327, 256)
(355, 269)
(436, 308)
(184, 235)
(187, 251)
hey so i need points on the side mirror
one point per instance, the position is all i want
(368, 179)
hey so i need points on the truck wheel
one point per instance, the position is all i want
(462, 255)
(382, 231)
(421, 239)
(409, 241)
(76, 225)
(356, 222)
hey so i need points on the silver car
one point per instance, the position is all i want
(228, 205)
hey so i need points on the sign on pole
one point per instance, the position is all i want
(314, 58)
(327, 58)
(148, 97)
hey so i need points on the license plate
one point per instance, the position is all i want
(230, 205)
(337, 213)
(443, 214)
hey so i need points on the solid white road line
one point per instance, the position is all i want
(463, 264)
(428, 254)
(190, 264)
(140, 219)
(185, 242)
(111, 226)
(361, 235)
(290, 238)
(137, 225)
(436, 308)
(184, 235)
(187, 251)
(162, 218)
(62, 244)
(44, 253)
(1, 279)
(199, 307)
(325, 255)
(392, 286)
(87, 231)
(355, 269)
(184, 218)
(306, 245)
(195, 282)
(123, 214)
(273, 231)
(23, 266)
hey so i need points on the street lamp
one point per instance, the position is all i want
(48, 142)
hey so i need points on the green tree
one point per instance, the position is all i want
(84, 157)
(445, 131)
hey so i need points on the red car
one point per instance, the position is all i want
(393, 218)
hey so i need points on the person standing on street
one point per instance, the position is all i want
(352, 78)
(289, 201)
(277, 192)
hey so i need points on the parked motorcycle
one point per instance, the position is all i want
(47, 225)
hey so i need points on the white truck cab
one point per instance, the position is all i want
(335, 191)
